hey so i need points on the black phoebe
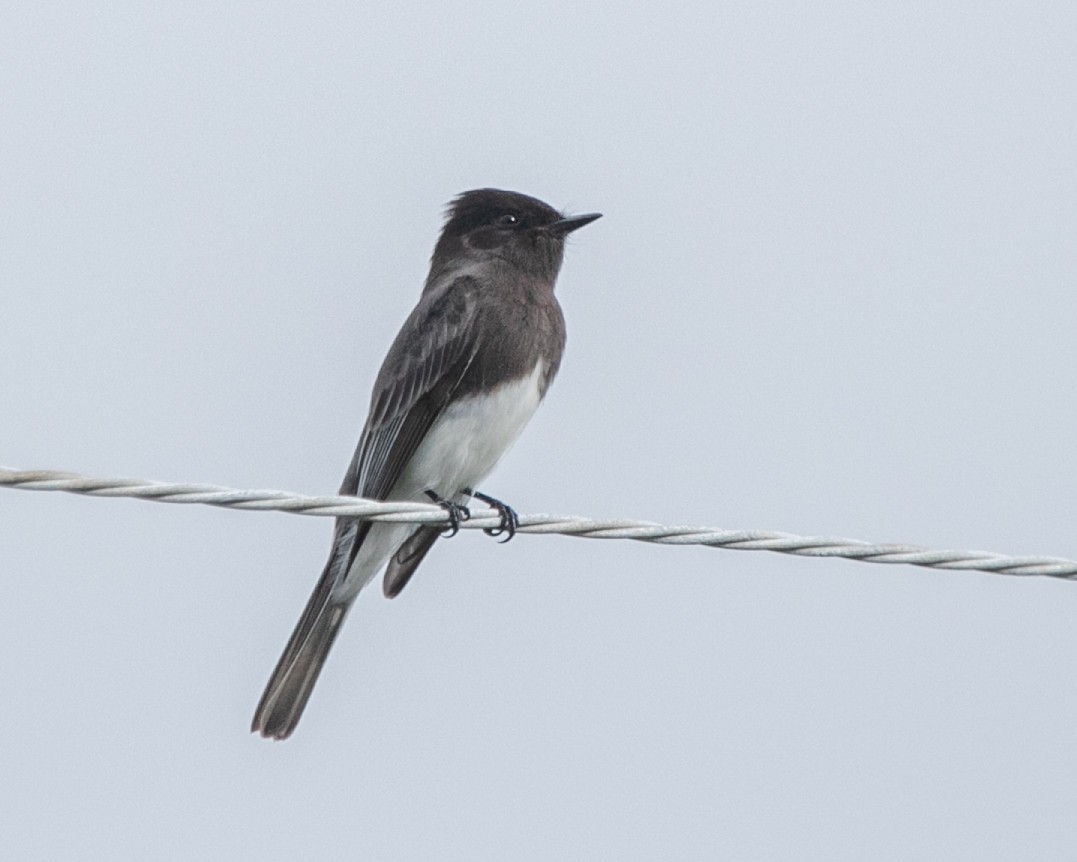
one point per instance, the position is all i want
(464, 375)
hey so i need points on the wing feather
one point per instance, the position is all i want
(421, 372)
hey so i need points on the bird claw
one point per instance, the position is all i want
(509, 519)
(457, 513)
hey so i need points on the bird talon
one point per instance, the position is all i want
(509, 519)
(457, 513)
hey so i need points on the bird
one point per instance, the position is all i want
(464, 375)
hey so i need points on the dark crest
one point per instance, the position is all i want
(489, 207)
(519, 229)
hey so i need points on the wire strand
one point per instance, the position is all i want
(568, 525)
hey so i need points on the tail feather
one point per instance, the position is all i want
(293, 679)
(289, 688)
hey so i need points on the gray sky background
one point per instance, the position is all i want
(833, 293)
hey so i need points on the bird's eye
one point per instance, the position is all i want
(509, 220)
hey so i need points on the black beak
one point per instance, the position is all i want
(565, 226)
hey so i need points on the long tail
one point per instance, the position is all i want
(293, 679)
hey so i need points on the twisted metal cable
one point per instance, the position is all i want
(641, 531)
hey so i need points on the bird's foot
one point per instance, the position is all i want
(509, 519)
(457, 513)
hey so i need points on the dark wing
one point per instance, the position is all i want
(417, 379)
(420, 373)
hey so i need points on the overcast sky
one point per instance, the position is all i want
(833, 293)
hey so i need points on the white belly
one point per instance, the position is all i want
(458, 452)
(469, 438)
